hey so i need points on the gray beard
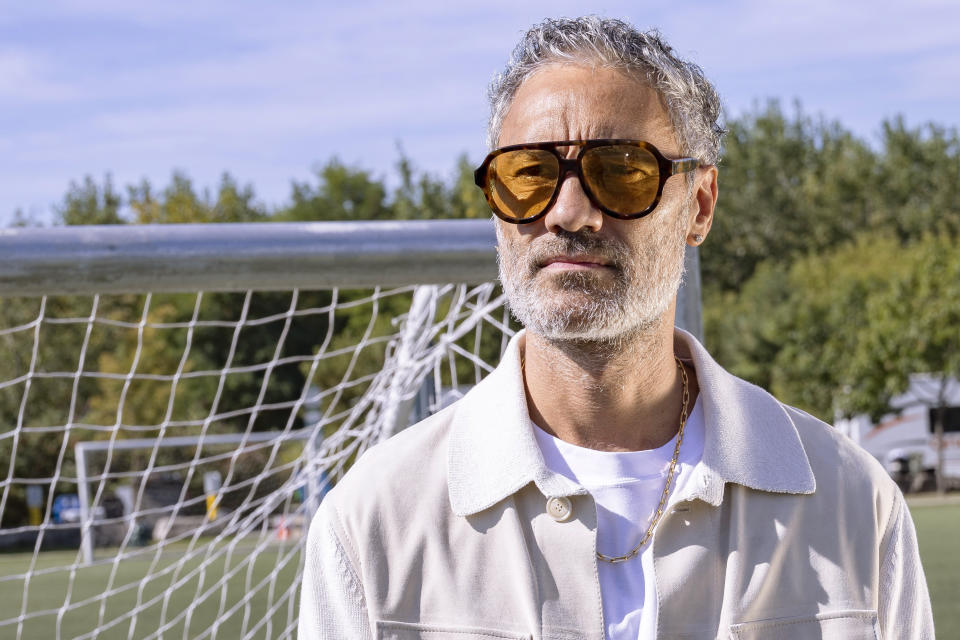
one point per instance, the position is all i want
(582, 306)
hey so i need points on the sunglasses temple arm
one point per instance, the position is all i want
(684, 164)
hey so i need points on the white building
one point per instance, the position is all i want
(907, 432)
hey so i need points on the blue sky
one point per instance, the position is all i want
(267, 91)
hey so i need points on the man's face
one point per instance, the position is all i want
(576, 273)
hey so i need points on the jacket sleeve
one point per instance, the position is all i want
(332, 605)
(904, 601)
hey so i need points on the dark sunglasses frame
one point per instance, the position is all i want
(667, 168)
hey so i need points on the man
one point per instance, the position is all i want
(609, 479)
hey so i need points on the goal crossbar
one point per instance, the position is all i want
(102, 259)
(243, 256)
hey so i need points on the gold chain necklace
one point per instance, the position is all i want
(673, 467)
(666, 488)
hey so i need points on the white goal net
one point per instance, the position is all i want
(161, 454)
(116, 409)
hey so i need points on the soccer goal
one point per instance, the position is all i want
(176, 400)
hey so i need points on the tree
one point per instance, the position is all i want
(916, 190)
(910, 327)
(788, 186)
(180, 203)
(468, 199)
(341, 193)
(792, 327)
(88, 203)
(792, 185)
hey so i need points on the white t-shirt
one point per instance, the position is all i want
(627, 488)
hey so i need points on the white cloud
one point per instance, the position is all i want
(758, 35)
(935, 77)
(25, 77)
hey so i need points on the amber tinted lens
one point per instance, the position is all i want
(522, 182)
(623, 178)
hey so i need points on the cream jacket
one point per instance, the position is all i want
(787, 530)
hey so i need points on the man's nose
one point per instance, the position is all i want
(573, 210)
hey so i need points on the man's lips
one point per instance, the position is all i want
(567, 263)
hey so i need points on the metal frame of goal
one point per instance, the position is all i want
(375, 323)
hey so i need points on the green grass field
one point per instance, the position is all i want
(938, 525)
(938, 528)
(194, 596)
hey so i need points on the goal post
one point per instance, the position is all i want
(107, 259)
(244, 256)
(154, 374)
(83, 449)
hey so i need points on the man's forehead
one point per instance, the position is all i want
(565, 101)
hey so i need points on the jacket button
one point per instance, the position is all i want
(559, 509)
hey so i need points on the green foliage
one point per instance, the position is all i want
(425, 196)
(89, 203)
(841, 331)
(419, 197)
(467, 197)
(743, 329)
(180, 203)
(342, 193)
(346, 193)
(917, 184)
(787, 187)
(815, 256)
(911, 326)
(790, 186)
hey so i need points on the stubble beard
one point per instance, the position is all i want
(619, 305)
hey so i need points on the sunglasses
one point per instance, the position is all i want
(622, 178)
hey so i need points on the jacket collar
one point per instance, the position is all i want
(750, 439)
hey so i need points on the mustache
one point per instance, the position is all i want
(563, 242)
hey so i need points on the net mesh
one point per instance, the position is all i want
(161, 454)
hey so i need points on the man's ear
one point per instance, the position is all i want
(703, 204)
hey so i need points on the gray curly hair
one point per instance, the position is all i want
(690, 99)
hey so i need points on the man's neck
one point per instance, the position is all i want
(625, 396)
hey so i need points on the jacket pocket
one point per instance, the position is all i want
(839, 625)
(419, 631)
